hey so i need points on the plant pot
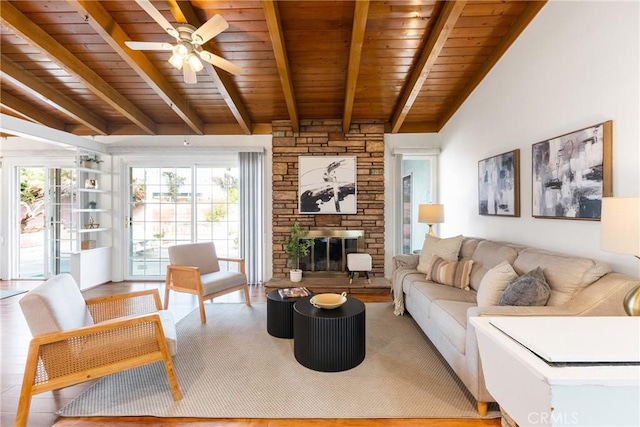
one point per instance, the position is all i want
(295, 275)
(89, 164)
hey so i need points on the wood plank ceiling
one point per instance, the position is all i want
(407, 63)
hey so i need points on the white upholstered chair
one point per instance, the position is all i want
(195, 268)
(77, 340)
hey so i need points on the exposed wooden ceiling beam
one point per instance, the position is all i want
(416, 127)
(355, 53)
(36, 36)
(102, 22)
(28, 111)
(277, 40)
(450, 13)
(36, 87)
(178, 129)
(523, 20)
(183, 12)
(27, 129)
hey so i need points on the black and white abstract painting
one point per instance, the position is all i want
(499, 185)
(327, 184)
(572, 173)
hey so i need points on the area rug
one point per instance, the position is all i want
(232, 368)
(10, 293)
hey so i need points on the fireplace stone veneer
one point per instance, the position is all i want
(365, 140)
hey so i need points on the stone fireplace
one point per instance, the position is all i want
(329, 250)
(365, 141)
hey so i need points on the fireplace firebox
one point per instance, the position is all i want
(328, 254)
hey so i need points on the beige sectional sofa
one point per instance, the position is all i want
(579, 287)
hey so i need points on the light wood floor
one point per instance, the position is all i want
(14, 341)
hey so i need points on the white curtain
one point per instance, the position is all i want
(252, 215)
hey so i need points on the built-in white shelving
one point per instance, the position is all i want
(91, 220)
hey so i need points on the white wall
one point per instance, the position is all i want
(576, 65)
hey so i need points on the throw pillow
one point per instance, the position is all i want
(494, 282)
(450, 273)
(530, 289)
(447, 249)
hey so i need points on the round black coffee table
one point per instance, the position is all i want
(329, 340)
(280, 315)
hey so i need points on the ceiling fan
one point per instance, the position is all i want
(187, 49)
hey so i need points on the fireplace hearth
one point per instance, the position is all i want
(328, 254)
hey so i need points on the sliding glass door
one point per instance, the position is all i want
(173, 205)
(44, 217)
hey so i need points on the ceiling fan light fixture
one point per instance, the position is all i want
(181, 49)
(189, 74)
(176, 60)
(187, 52)
(194, 62)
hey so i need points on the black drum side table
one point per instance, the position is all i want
(280, 315)
(329, 340)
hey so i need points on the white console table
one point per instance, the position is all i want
(597, 380)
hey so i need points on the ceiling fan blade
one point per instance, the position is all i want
(209, 30)
(158, 17)
(189, 74)
(148, 45)
(219, 62)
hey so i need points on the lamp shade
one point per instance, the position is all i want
(431, 214)
(620, 225)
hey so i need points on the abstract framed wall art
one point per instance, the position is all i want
(572, 173)
(499, 185)
(327, 184)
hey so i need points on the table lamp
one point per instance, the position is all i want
(620, 233)
(431, 214)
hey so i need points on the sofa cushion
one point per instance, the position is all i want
(530, 289)
(468, 247)
(410, 280)
(454, 274)
(435, 291)
(565, 274)
(487, 255)
(447, 249)
(451, 318)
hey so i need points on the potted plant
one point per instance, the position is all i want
(90, 162)
(296, 246)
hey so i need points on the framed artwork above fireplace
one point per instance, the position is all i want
(327, 184)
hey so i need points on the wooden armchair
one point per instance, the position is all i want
(77, 340)
(195, 269)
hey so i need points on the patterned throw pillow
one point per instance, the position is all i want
(447, 249)
(530, 289)
(450, 273)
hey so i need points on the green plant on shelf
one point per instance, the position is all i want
(90, 161)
